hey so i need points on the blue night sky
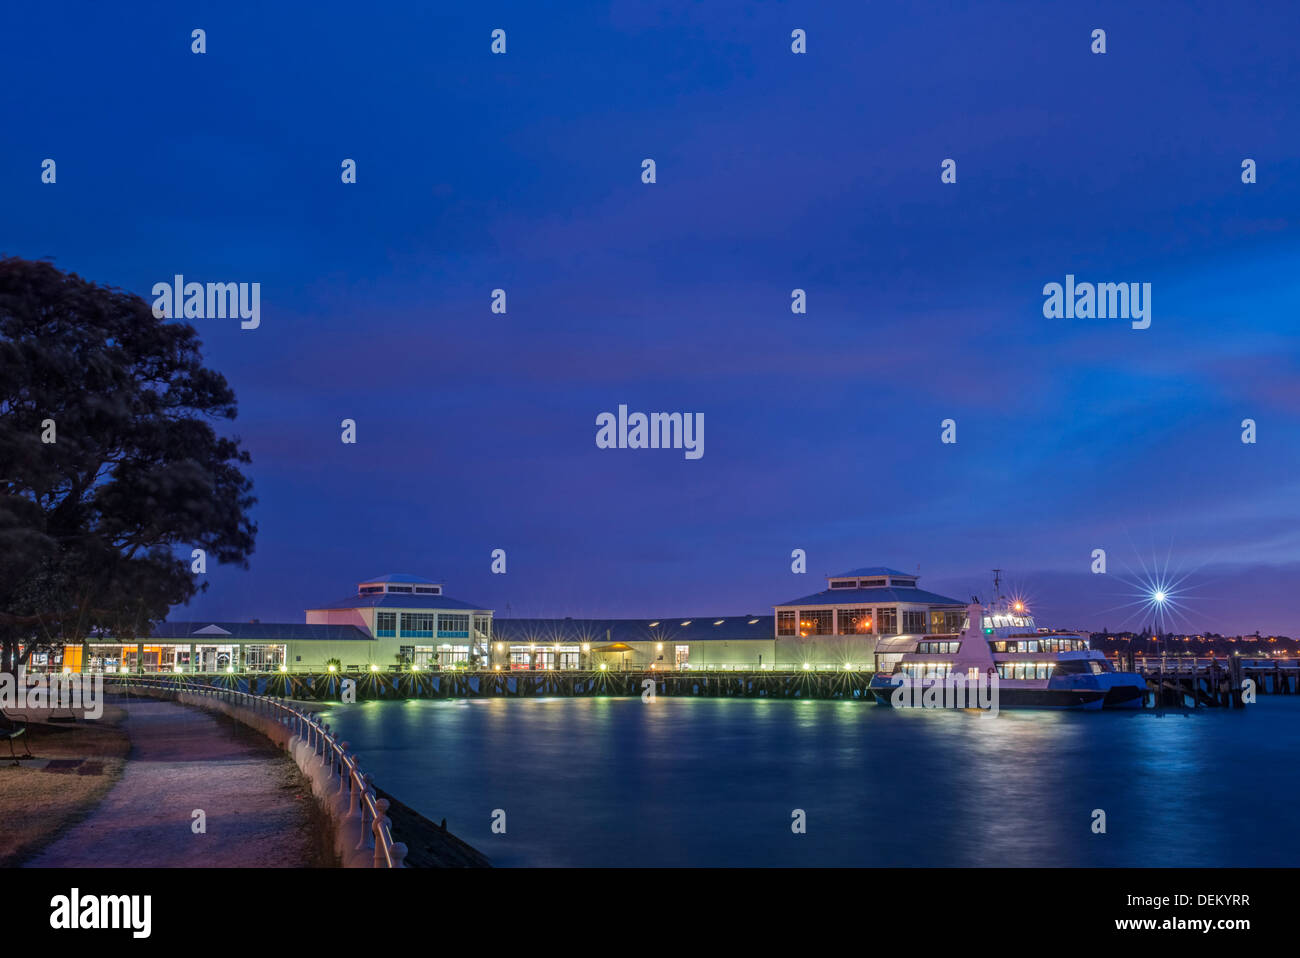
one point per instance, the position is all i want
(477, 431)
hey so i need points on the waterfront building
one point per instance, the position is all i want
(862, 617)
(675, 643)
(391, 621)
(400, 621)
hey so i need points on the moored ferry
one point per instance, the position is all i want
(1035, 668)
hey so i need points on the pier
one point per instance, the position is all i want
(1182, 681)
(459, 684)
(1172, 682)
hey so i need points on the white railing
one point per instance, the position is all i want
(363, 831)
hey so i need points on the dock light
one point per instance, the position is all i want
(806, 666)
(123, 670)
(498, 646)
(67, 670)
(659, 646)
(586, 647)
(373, 667)
(283, 668)
(176, 668)
(1158, 596)
(1020, 607)
(848, 667)
(415, 668)
(230, 670)
(331, 668)
(603, 666)
(496, 668)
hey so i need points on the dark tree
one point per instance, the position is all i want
(97, 527)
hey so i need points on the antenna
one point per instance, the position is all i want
(997, 585)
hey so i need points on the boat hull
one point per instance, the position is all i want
(1009, 697)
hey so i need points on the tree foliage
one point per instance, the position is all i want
(96, 527)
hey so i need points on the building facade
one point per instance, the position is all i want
(402, 621)
(859, 614)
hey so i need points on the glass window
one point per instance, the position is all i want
(887, 621)
(913, 622)
(785, 623)
(417, 625)
(815, 622)
(386, 624)
(854, 621)
(263, 658)
(453, 626)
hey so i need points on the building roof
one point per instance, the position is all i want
(666, 629)
(214, 632)
(401, 578)
(873, 597)
(399, 600)
(874, 570)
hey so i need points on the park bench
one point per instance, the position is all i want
(10, 730)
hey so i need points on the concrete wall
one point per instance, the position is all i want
(362, 618)
(711, 653)
(826, 651)
(315, 654)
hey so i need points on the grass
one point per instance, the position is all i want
(35, 804)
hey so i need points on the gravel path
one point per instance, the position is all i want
(259, 809)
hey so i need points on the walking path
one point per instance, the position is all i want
(259, 808)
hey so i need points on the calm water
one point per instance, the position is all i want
(692, 781)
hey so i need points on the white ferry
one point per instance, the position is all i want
(1035, 668)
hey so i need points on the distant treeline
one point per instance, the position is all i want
(1203, 645)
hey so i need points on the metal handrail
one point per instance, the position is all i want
(1181, 663)
(309, 728)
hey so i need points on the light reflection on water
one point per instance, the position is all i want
(686, 781)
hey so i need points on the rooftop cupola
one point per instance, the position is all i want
(396, 582)
(872, 577)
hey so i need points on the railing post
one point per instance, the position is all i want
(366, 819)
(381, 822)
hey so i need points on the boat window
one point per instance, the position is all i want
(999, 646)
